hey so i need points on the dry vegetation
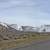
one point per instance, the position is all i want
(10, 39)
(18, 40)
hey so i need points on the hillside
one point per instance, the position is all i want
(7, 32)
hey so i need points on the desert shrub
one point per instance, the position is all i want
(33, 35)
(1, 36)
(24, 37)
(10, 37)
(18, 37)
(5, 39)
(15, 38)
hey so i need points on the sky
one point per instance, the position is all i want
(25, 12)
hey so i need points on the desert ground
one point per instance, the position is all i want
(24, 39)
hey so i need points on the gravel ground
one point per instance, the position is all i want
(38, 46)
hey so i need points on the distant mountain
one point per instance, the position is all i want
(14, 26)
(3, 24)
(7, 31)
(29, 29)
(8, 27)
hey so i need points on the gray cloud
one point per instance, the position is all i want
(32, 10)
(5, 4)
(42, 5)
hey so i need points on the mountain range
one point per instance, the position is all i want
(8, 31)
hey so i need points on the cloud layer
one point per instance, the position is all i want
(25, 12)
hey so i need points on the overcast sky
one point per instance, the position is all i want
(25, 12)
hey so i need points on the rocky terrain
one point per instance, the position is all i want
(7, 32)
